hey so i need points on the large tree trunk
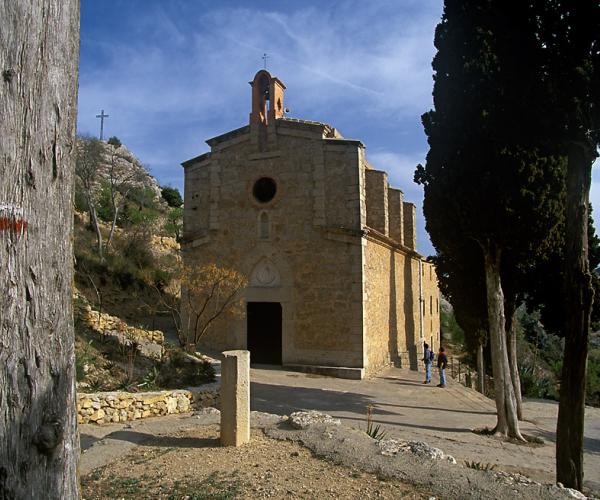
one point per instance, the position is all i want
(511, 334)
(579, 296)
(39, 53)
(508, 423)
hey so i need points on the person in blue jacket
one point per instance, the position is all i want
(428, 360)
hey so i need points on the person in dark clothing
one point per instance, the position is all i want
(442, 362)
(428, 360)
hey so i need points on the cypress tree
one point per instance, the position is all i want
(489, 178)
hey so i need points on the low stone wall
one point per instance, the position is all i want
(105, 407)
(111, 325)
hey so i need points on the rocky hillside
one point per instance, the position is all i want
(113, 162)
(126, 269)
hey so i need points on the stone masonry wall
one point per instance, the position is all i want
(409, 214)
(392, 318)
(376, 187)
(431, 312)
(313, 243)
(105, 407)
(381, 323)
(396, 214)
(347, 300)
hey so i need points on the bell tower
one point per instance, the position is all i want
(267, 98)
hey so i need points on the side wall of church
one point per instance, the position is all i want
(401, 309)
(431, 310)
(313, 239)
(392, 318)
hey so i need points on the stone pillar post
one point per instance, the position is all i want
(235, 398)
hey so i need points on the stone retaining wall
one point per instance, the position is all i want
(105, 324)
(105, 407)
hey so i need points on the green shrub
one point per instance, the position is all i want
(593, 378)
(174, 223)
(538, 386)
(449, 326)
(480, 466)
(114, 141)
(104, 206)
(179, 372)
(172, 196)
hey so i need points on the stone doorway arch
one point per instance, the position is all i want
(264, 332)
(269, 310)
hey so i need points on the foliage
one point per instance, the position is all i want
(150, 382)
(114, 141)
(175, 374)
(569, 33)
(88, 159)
(480, 466)
(462, 282)
(541, 360)
(174, 223)
(536, 386)
(491, 180)
(82, 360)
(216, 486)
(450, 327)
(104, 208)
(172, 196)
(143, 197)
(543, 279)
(374, 431)
(593, 379)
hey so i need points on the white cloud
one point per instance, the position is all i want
(180, 76)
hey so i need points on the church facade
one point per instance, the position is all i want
(335, 284)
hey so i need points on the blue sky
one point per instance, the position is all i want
(171, 74)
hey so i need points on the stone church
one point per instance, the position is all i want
(335, 284)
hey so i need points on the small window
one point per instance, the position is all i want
(264, 189)
(431, 306)
(263, 231)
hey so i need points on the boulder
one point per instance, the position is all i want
(304, 419)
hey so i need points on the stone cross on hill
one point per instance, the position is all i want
(102, 116)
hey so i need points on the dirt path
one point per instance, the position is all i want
(444, 418)
(404, 408)
(180, 458)
(191, 464)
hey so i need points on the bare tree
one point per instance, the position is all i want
(206, 294)
(89, 158)
(39, 56)
(123, 176)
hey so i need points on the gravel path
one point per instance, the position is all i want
(403, 407)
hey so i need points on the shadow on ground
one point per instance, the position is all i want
(284, 400)
(153, 440)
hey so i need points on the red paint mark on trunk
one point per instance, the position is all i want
(16, 225)
(12, 219)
